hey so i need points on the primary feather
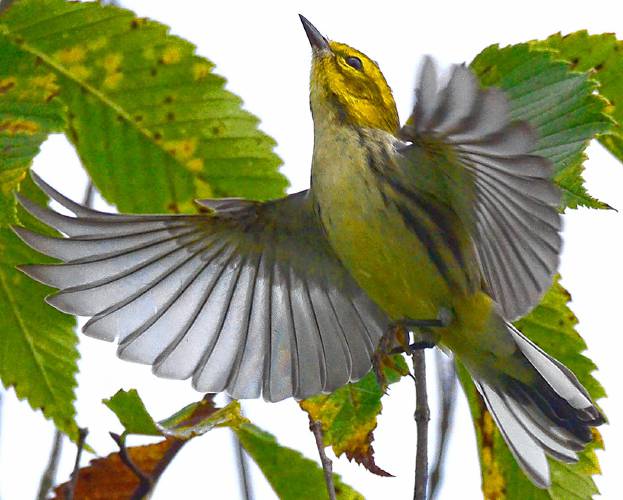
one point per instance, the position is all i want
(249, 299)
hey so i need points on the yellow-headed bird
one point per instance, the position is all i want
(448, 225)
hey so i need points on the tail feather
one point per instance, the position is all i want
(552, 415)
(523, 445)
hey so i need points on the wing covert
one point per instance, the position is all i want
(248, 299)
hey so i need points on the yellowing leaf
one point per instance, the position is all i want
(193, 420)
(146, 115)
(28, 113)
(348, 416)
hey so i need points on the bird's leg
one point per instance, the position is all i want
(398, 333)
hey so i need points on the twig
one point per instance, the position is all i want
(146, 482)
(243, 470)
(82, 435)
(327, 465)
(89, 192)
(446, 373)
(243, 467)
(49, 475)
(421, 416)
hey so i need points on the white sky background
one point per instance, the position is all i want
(262, 50)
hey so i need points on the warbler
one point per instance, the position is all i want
(447, 226)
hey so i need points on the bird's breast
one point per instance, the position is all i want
(383, 242)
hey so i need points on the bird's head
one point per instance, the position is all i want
(349, 83)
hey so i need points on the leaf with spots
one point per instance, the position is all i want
(561, 104)
(349, 415)
(38, 345)
(28, 113)
(551, 325)
(602, 57)
(151, 121)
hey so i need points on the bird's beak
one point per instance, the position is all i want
(318, 42)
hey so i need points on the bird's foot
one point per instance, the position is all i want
(383, 355)
(396, 341)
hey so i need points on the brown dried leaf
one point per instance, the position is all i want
(108, 478)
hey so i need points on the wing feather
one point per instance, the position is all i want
(491, 178)
(247, 299)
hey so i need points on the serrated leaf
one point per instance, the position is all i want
(551, 325)
(291, 475)
(349, 415)
(562, 105)
(602, 57)
(151, 121)
(38, 345)
(108, 478)
(28, 113)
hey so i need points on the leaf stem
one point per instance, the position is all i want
(82, 435)
(327, 466)
(422, 417)
(49, 475)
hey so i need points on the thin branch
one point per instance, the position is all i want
(89, 193)
(244, 478)
(446, 373)
(327, 465)
(146, 483)
(82, 435)
(422, 417)
(243, 469)
(49, 475)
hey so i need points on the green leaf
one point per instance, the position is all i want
(193, 420)
(38, 345)
(151, 121)
(349, 415)
(291, 475)
(602, 57)
(131, 412)
(200, 417)
(28, 113)
(561, 104)
(551, 325)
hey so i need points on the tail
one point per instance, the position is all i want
(552, 414)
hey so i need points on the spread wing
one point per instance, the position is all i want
(502, 191)
(246, 299)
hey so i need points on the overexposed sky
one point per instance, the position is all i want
(262, 50)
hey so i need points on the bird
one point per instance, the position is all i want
(447, 225)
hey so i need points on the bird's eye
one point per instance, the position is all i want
(354, 62)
